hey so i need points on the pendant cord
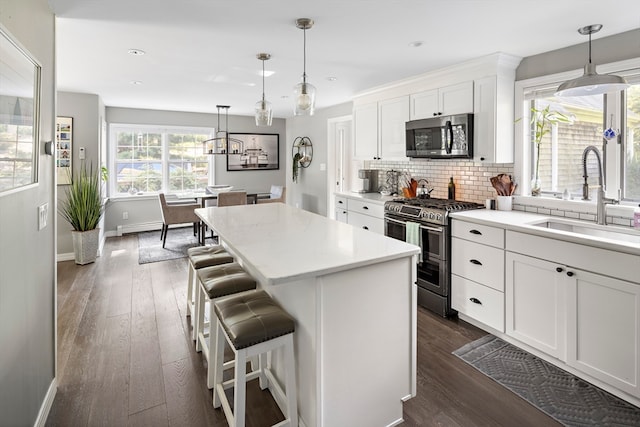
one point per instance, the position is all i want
(263, 83)
(589, 48)
(304, 55)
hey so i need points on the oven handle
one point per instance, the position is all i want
(424, 227)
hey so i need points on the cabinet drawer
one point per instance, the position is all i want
(365, 221)
(478, 233)
(341, 202)
(479, 302)
(341, 215)
(366, 208)
(480, 263)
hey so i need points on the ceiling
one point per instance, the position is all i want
(200, 53)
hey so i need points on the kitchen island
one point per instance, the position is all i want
(352, 293)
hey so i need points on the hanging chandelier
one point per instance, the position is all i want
(591, 83)
(222, 143)
(305, 93)
(264, 112)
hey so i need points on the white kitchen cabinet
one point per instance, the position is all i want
(360, 212)
(380, 129)
(366, 131)
(341, 215)
(444, 101)
(536, 303)
(493, 120)
(393, 115)
(477, 272)
(603, 329)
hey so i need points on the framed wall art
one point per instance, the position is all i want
(64, 149)
(19, 115)
(253, 151)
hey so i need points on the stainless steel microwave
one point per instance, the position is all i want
(441, 137)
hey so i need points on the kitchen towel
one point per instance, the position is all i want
(413, 236)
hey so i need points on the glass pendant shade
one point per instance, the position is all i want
(264, 113)
(591, 83)
(305, 97)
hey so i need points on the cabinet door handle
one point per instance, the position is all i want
(570, 273)
(475, 261)
(365, 227)
(366, 208)
(474, 231)
(559, 269)
(475, 300)
(340, 202)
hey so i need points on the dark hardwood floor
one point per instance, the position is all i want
(125, 357)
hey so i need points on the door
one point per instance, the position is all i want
(603, 329)
(341, 172)
(535, 296)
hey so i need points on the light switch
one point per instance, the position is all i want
(43, 213)
(81, 155)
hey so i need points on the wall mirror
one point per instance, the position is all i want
(19, 115)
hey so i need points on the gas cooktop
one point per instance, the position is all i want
(428, 209)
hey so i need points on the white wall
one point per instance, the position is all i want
(310, 192)
(27, 255)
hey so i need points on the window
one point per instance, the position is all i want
(149, 159)
(561, 151)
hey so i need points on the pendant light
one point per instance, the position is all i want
(264, 112)
(220, 144)
(591, 83)
(305, 93)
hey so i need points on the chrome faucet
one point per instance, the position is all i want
(601, 200)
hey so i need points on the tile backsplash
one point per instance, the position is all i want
(471, 178)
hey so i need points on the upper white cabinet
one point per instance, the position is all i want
(445, 101)
(380, 129)
(493, 120)
(366, 131)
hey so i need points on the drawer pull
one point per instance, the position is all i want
(365, 227)
(340, 202)
(474, 231)
(366, 208)
(559, 269)
(570, 273)
(475, 261)
(475, 300)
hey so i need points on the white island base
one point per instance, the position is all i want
(354, 301)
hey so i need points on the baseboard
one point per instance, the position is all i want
(69, 256)
(43, 414)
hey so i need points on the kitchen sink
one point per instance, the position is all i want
(591, 230)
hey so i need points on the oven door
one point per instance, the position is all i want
(432, 237)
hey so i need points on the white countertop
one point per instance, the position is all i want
(372, 197)
(522, 222)
(284, 243)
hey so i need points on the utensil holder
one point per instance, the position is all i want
(504, 203)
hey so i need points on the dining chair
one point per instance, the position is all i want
(276, 194)
(177, 214)
(232, 198)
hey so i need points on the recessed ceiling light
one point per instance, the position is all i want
(416, 43)
(136, 52)
(332, 79)
(135, 82)
(285, 97)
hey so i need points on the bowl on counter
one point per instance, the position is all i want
(385, 193)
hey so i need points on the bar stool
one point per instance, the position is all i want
(200, 257)
(216, 282)
(253, 324)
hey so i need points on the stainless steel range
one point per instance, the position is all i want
(426, 222)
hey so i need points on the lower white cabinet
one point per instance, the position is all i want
(341, 215)
(603, 329)
(482, 303)
(535, 303)
(366, 222)
(360, 212)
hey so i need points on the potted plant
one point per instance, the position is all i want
(543, 120)
(83, 208)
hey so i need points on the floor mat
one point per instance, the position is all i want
(563, 396)
(178, 241)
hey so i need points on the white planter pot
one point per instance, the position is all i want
(85, 245)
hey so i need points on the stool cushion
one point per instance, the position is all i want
(225, 279)
(252, 318)
(206, 256)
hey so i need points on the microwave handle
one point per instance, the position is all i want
(448, 128)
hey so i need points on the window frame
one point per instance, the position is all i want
(163, 130)
(613, 157)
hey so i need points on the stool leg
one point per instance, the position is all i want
(190, 290)
(214, 342)
(262, 366)
(199, 327)
(240, 388)
(292, 392)
(218, 362)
